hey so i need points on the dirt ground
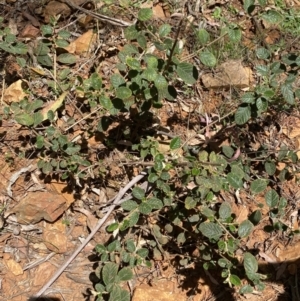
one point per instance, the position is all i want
(44, 220)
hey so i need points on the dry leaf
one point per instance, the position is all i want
(85, 42)
(15, 92)
(14, 267)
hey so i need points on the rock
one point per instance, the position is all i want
(14, 267)
(40, 205)
(54, 237)
(228, 74)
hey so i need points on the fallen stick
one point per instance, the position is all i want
(93, 232)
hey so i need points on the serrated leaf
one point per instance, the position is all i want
(248, 4)
(45, 60)
(67, 58)
(130, 245)
(207, 58)
(152, 178)
(155, 203)
(143, 252)
(109, 272)
(272, 16)
(288, 94)
(133, 218)
(125, 274)
(123, 93)
(145, 208)
(261, 104)
(164, 30)
(37, 118)
(225, 210)
(234, 34)
(211, 230)
(47, 168)
(262, 70)
(24, 119)
(245, 228)
(105, 102)
(190, 203)
(133, 63)
(138, 193)
(248, 98)
(141, 39)
(175, 143)
(235, 180)
(203, 36)
(160, 82)
(246, 289)
(262, 53)
(258, 185)
(187, 72)
(96, 81)
(150, 74)
(61, 43)
(242, 115)
(46, 30)
(250, 263)
(272, 198)
(131, 32)
(145, 14)
(129, 205)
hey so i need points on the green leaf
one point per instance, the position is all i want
(145, 14)
(112, 227)
(255, 217)
(25, 119)
(143, 252)
(131, 32)
(175, 143)
(67, 58)
(149, 74)
(64, 34)
(104, 123)
(203, 36)
(47, 168)
(211, 230)
(258, 185)
(155, 203)
(130, 245)
(234, 34)
(133, 63)
(261, 104)
(272, 16)
(262, 53)
(45, 60)
(141, 39)
(145, 208)
(248, 5)
(123, 93)
(187, 72)
(152, 178)
(133, 218)
(235, 180)
(47, 30)
(105, 102)
(207, 58)
(160, 82)
(61, 43)
(37, 118)
(246, 289)
(272, 198)
(138, 193)
(242, 115)
(225, 210)
(39, 141)
(96, 81)
(288, 94)
(245, 228)
(118, 294)
(129, 205)
(235, 280)
(164, 30)
(190, 203)
(125, 274)
(71, 150)
(248, 98)
(250, 263)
